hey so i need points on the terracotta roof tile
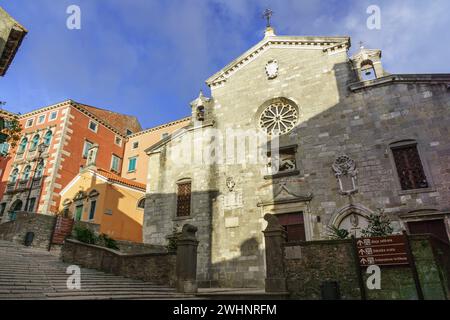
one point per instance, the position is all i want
(122, 122)
(118, 179)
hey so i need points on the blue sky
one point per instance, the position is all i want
(150, 58)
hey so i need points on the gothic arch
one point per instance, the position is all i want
(339, 216)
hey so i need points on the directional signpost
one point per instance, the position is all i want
(386, 251)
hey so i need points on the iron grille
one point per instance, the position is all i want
(184, 200)
(409, 168)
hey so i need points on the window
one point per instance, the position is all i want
(34, 142)
(22, 146)
(93, 126)
(434, 227)
(26, 173)
(409, 167)
(87, 146)
(286, 163)
(39, 170)
(294, 225)
(2, 209)
(53, 115)
(92, 209)
(48, 138)
(14, 175)
(129, 132)
(78, 212)
(135, 145)
(29, 123)
(115, 163)
(279, 118)
(41, 119)
(118, 141)
(132, 164)
(367, 71)
(141, 203)
(4, 149)
(184, 199)
(164, 135)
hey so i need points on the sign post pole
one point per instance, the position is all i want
(359, 270)
(413, 267)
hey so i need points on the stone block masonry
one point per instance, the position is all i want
(157, 268)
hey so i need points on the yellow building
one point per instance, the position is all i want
(135, 159)
(114, 203)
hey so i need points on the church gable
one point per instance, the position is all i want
(327, 45)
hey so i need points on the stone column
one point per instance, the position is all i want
(187, 245)
(275, 237)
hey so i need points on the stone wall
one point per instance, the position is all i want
(309, 264)
(138, 248)
(41, 225)
(158, 268)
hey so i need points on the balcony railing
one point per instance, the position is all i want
(10, 187)
(37, 182)
(23, 184)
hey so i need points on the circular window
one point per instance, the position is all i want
(279, 118)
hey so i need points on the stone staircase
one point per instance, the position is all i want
(34, 274)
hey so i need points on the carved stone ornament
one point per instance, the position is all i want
(231, 184)
(272, 69)
(345, 170)
(344, 165)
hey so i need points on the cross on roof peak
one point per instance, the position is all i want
(268, 13)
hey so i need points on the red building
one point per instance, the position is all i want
(55, 144)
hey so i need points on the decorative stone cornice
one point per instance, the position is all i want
(432, 79)
(166, 125)
(326, 44)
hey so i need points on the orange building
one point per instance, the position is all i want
(55, 145)
(114, 203)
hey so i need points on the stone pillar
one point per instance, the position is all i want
(275, 237)
(187, 245)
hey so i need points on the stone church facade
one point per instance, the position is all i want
(353, 140)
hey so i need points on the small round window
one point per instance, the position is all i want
(279, 118)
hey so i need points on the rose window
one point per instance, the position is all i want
(279, 118)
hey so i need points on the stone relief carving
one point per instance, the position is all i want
(345, 170)
(272, 69)
(231, 184)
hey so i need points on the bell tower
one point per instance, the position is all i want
(367, 64)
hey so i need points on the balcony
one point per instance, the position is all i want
(23, 184)
(10, 187)
(37, 183)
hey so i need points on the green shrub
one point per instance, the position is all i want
(335, 233)
(85, 235)
(105, 241)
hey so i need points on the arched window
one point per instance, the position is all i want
(14, 175)
(141, 203)
(368, 70)
(26, 173)
(48, 138)
(34, 142)
(22, 145)
(40, 170)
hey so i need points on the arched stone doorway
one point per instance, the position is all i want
(353, 218)
(16, 206)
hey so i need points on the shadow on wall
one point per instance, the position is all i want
(362, 125)
(245, 270)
